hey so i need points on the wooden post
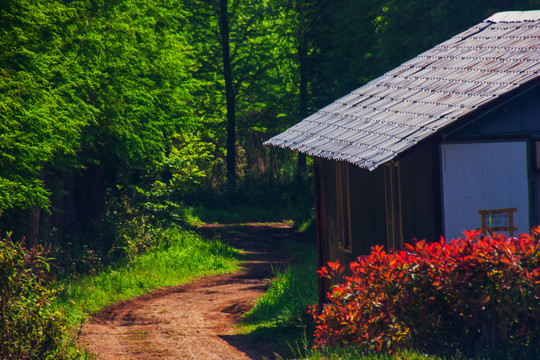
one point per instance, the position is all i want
(321, 225)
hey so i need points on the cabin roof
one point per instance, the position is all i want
(378, 121)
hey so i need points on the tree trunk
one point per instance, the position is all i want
(303, 103)
(229, 93)
(33, 227)
(34, 218)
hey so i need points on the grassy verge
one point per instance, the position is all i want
(353, 354)
(186, 256)
(238, 214)
(279, 317)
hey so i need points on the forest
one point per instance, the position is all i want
(115, 107)
(118, 116)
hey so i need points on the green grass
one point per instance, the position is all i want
(303, 220)
(290, 293)
(354, 354)
(279, 317)
(188, 255)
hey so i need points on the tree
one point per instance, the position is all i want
(40, 122)
(94, 94)
(359, 40)
(263, 84)
(229, 91)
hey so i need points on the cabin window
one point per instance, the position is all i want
(343, 200)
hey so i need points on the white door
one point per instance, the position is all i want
(484, 176)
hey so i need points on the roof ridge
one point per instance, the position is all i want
(514, 16)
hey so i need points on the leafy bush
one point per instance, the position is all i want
(478, 296)
(30, 328)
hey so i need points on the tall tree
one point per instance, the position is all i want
(229, 91)
(262, 85)
(40, 121)
(359, 40)
(138, 78)
(95, 95)
(304, 13)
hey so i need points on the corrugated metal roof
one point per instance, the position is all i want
(378, 121)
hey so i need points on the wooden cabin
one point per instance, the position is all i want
(448, 141)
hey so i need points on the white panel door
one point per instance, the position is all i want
(483, 176)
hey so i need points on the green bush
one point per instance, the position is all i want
(30, 328)
(478, 296)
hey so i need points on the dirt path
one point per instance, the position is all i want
(196, 321)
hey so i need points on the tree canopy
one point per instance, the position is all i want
(98, 96)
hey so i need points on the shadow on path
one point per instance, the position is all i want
(197, 320)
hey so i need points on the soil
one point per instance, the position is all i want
(197, 320)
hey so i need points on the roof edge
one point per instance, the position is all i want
(514, 16)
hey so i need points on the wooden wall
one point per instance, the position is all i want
(420, 204)
(420, 194)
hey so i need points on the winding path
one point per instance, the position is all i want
(196, 320)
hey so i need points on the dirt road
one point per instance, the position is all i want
(197, 320)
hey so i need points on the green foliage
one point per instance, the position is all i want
(135, 220)
(264, 72)
(95, 85)
(30, 327)
(478, 296)
(358, 40)
(40, 122)
(258, 198)
(140, 82)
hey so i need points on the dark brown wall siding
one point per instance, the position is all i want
(418, 191)
(368, 214)
(322, 221)
(331, 209)
(368, 217)
(419, 186)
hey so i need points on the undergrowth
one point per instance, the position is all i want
(30, 328)
(352, 353)
(257, 199)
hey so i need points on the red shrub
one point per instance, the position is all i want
(479, 296)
